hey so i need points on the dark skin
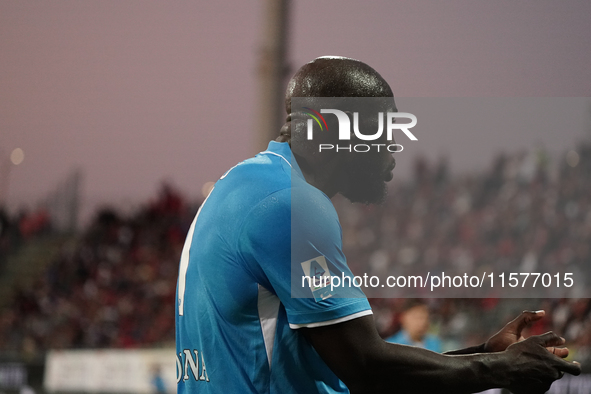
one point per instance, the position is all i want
(338, 78)
(353, 349)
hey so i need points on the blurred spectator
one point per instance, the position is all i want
(31, 224)
(415, 322)
(157, 381)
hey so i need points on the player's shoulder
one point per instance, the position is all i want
(251, 181)
(277, 155)
(299, 206)
(309, 202)
(259, 169)
(275, 188)
(302, 206)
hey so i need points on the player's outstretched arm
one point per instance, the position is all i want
(508, 335)
(368, 364)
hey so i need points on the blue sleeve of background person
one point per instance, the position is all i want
(399, 338)
(272, 234)
(433, 343)
(430, 342)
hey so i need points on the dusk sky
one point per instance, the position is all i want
(135, 92)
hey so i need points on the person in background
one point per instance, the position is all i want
(415, 322)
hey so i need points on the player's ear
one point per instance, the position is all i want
(285, 132)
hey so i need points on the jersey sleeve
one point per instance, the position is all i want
(293, 235)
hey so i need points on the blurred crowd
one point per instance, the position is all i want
(116, 286)
(22, 228)
(523, 214)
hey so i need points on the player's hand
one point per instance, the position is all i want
(532, 369)
(512, 332)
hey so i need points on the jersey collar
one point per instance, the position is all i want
(283, 150)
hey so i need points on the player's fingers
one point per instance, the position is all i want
(561, 352)
(549, 339)
(574, 368)
(560, 376)
(526, 318)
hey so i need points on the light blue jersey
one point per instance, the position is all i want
(237, 318)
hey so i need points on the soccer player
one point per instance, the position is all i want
(239, 329)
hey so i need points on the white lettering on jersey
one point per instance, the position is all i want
(193, 363)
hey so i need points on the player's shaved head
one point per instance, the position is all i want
(358, 177)
(332, 76)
